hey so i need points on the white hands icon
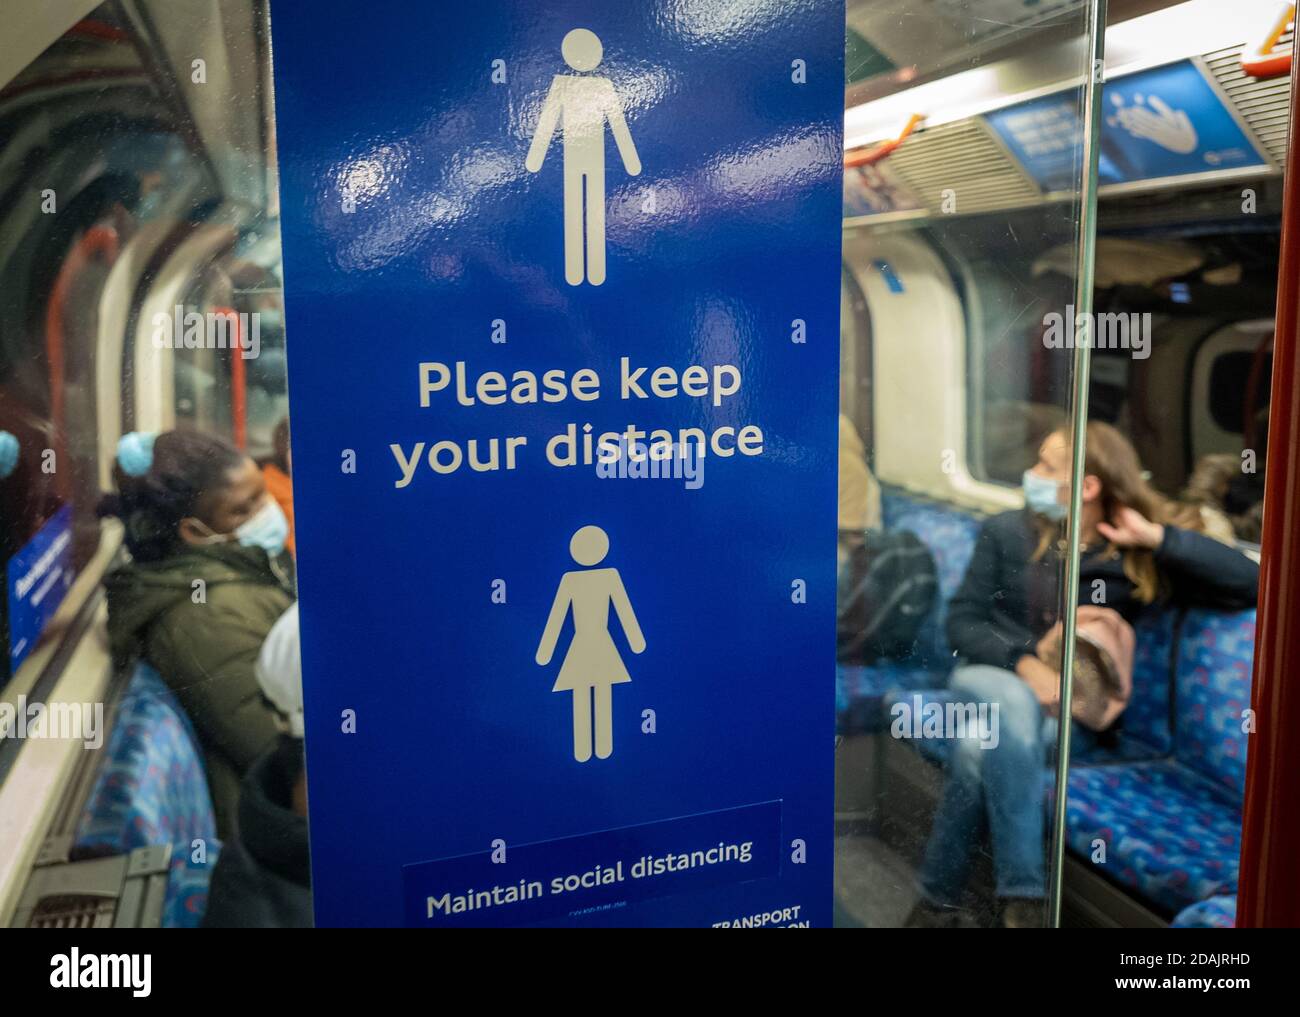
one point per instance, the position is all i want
(1153, 119)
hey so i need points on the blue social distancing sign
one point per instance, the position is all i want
(562, 313)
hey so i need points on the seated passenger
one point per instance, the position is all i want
(1220, 487)
(1136, 546)
(208, 577)
(263, 876)
(859, 494)
(886, 582)
(275, 471)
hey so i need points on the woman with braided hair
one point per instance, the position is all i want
(207, 579)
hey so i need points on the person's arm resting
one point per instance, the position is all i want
(1205, 572)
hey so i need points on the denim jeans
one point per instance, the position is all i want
(997, 790)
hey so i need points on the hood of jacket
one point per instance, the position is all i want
(275, 836)
(262, 877)
(141, 592)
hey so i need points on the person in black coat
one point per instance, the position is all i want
(262, 877)
(1137, 548)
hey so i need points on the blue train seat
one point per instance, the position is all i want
(187, 886)
(861, 691)
(1165, 794)
(1216, 655)
(1213, 913)
(1143, 732)
(152, 789)
(1173, 827)
(864, 694)
(1146, 720)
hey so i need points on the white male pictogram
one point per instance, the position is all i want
(580, 105)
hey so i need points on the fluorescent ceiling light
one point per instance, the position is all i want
(1176, 33)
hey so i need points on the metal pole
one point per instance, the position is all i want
(1096, 31)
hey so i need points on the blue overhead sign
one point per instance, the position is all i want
(1045, 137)
(562, 311)
(1164, 122)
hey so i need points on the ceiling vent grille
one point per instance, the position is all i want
(1263, 104)
(965, 159)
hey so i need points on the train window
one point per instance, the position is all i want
(1229, 382)
(1018, 272)
(144, 486)
(78, 173)
(233, 380)
(203, 370)
(260, 292)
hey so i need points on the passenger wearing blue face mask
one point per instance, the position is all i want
(208, 577)
(1137, 547)
(1042, 493)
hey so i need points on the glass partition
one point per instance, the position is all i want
(1066, 438)
(965, 272)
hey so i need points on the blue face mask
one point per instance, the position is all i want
(266, 528)
(1041, 496)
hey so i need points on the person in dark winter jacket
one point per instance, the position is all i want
(262, 878)
(1136, 548)
(207, 579)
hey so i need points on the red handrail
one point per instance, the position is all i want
(238, 380)
(1266, 60)
(97, 241)
(1269, 881)
(870, 156)
(89, 28)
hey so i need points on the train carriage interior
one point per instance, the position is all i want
(138, 186)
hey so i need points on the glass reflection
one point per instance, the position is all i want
(144, 475)
(962, 251)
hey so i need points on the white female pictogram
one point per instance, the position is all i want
(592, 666)
(580, 105)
